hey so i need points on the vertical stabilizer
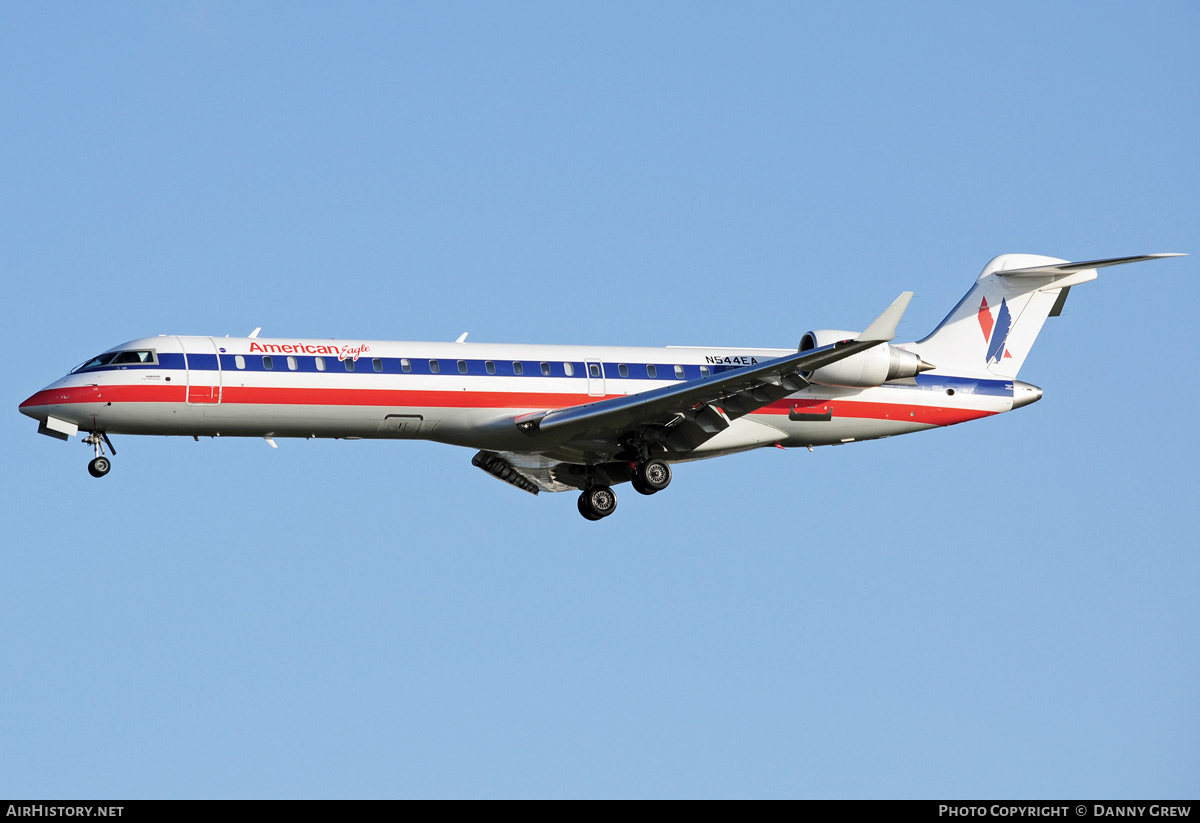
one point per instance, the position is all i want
(992, 329)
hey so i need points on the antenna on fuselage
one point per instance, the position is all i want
(462, 338)
(254, 333)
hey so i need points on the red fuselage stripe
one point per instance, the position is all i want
(267, 396)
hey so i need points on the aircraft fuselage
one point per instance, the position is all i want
(466, 394)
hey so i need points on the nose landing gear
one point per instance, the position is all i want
(99, 466)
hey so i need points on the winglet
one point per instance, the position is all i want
(884, 327)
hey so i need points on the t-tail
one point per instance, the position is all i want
(992, 329)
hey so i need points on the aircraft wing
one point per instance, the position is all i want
(694, 411)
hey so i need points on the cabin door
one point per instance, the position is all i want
(203, 365)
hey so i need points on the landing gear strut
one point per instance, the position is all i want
(597, 502)
(99, 466)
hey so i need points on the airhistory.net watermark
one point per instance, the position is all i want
(41, 810)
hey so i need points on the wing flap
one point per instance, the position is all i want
(528, 472)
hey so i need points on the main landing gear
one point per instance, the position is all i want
(651, 476)
(598, 502)
(101, 464)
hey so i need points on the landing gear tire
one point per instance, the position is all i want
(597, 502)
(99, 467)
(639, 485)
(654, 475)
(583, 509)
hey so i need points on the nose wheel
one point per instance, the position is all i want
(100, 465)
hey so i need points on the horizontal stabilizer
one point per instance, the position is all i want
(1060, 269)
(992, 329)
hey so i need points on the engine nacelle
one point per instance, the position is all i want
(872, 367)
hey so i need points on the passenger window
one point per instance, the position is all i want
(518, 369)
(651, 370)
(239, 361)
(546, 369)
(704, 371)
(349, 364)
(594, 369)
(623, 370)
(377, 364)
(462, 366)
(320, 364)
(489, 367)
(569, 368)
(292, 364)
(405, 365)
(268, 363)
(679, 372)
(434, 367)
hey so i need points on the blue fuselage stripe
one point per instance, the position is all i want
(505, 368)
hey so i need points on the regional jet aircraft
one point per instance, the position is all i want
(583, 418)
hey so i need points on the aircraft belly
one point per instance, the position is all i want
(479, 428)
(744, 433)
(233, 420)
(849, 415)
(846, 430)
(142, 418)
(282, 420)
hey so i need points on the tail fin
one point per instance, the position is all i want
(993, 327)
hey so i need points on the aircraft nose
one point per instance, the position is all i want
(35, 406)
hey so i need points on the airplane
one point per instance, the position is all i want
(582, 418)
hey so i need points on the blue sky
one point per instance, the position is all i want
(1001, 609)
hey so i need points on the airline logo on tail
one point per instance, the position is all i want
(995, 330)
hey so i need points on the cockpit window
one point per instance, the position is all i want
(102, 360)
(133, 357)
(119, 358)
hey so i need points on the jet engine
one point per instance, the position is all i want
(872, 367)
